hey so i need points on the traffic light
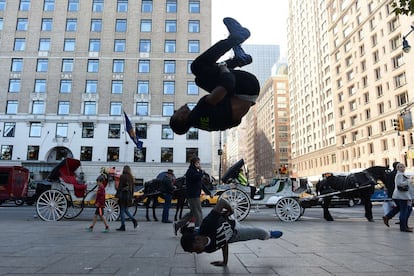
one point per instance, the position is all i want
(399, 123)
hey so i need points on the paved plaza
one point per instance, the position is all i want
(311, 246)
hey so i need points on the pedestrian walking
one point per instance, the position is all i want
(124, 194)
(100, 204)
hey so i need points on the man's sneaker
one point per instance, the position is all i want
(275, 234)
(241, 57)
(106, 230)
(237, 32)
(89, 229)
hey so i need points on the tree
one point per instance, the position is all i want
(404, 7)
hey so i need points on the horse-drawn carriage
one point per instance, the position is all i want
(283, 193)
(13, 184)
(290, 196)
(63, 196)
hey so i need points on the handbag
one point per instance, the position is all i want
(402, 188)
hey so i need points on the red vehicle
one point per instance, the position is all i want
(13, 184)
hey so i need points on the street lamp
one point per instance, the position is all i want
(406, 47)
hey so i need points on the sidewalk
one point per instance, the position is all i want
(348, 246)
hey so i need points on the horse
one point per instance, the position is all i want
(353, 181)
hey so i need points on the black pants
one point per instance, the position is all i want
(206, 70)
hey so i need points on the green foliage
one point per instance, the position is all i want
(403, 7)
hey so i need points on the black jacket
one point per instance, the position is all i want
(194, 183)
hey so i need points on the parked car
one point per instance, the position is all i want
(206, 200)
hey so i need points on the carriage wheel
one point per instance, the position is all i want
(112, 209)
(51, 205)
(288, 209)
(75, 207)
(239, 201)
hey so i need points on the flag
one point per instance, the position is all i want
(131, 132)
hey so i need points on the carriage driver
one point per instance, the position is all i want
(217, 231)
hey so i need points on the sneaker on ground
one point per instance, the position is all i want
(275, 234)
(106, 230)
(90, 229)
(237, 32)
(241, 57)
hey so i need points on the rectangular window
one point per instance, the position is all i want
(194, 6)
(47, 24)
(24, 5)
(167, 132)
(40, 86)
(192, 134)
(190, 153)
(170, 46)
(146, 25)
(35, 129)
(194, 26)
(400, 80)
(12, 107)
(94, 45)
(141, 130)
(86, 153)
(61, 130)
(140, 155)
(91, 86)
(169, 66)
(167, 155)
(93, 66)
(97, 5)
(49, 5)
(44, 44)
(9, 129)
(169, 87)
(193, 46)
(73, 5)
(88, 129)
(144, 46)
(96, 25)
(122, 6)
(63, 108)
(14, 85)
(143, 66)
(65, 86)
(116, 109)
(19, 44)
(171, 6)
(38, 107)
(42, 65)
(67, 65)
(6, 152)
(167, 109)
(114, 131)
(143, 87)
(117, 87)
(71, 24)
(146, 6)
(2, 5)
(17, 65)
(112, 154)
(21, 24)
(121, 25)
(119, 45)
(170, 26)
(142, 109)
(69, 45)
(89, 108)
(118, 66)
(192, 88)
(32, 152)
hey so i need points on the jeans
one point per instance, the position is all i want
(245, 233)
(167, 205)
(124, 210)
(404, 212)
